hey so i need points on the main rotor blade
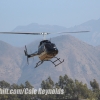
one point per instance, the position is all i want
(74, 32)
(42, 33)
(31, 33)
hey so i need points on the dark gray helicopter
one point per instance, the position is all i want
(46, 49)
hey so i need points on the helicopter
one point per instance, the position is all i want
(46, 49)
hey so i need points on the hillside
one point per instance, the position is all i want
(92, 37)
(82, 61)
(11, 59)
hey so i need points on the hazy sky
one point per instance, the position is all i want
(54, 12)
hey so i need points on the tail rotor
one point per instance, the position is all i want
(26, 54)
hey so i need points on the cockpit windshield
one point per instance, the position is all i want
(50, 45)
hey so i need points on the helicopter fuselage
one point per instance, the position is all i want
(47, 50)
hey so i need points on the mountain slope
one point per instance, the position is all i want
(82, 61)
(10, 62)
(93, 37)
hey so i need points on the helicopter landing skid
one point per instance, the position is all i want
(38, 64)
(57, 59)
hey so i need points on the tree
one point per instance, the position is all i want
(28, 85)
(4, 84)
(95, 88)
(94, 85)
